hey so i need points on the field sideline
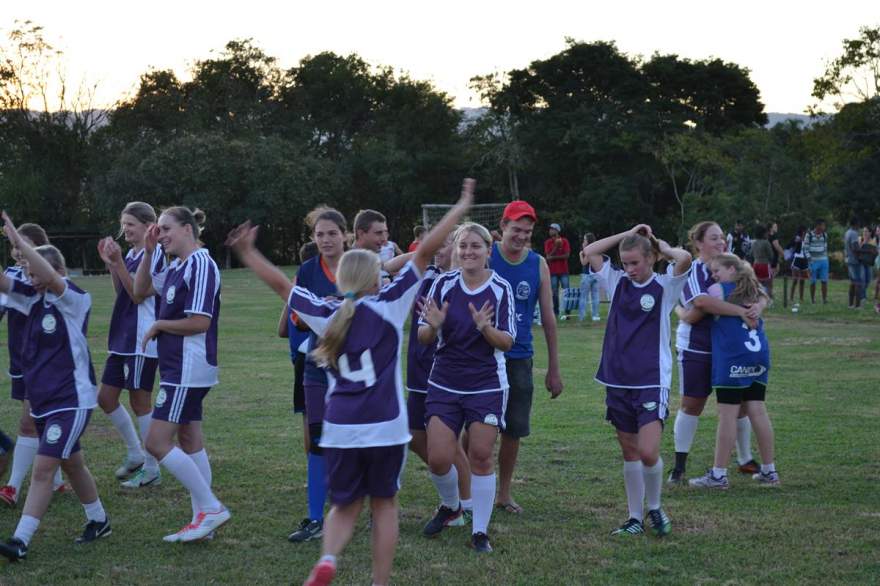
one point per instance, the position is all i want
(821, 526)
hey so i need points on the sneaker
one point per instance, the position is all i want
(768, 479)
(597, 318)
(205, 524)
(675, 477)
(95, 530)
(709, 480)
(750, 467)
(8, 495)
(442, 518)
(128, 467)
(480, 543)
(143, 477)
(631, 527)
(322, 574)
(175, 537)
(307, 531)
(14, 550)
(660, 523)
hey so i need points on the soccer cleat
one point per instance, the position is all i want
(750, 467)
(9, 496)
(660, 523)
(631, 527)
(768, 479)
(322, 574)
(128, 467)
(14, 550)
(142, 478)
(709, 480)
(480, 543)
(175, 537)
(308, 530)
(95, 530)
(442, 519)
(676, 477)
(205, 524)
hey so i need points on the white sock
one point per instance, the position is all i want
(447, 488)
(768, 468)
(204, 466)
(186, 471)
(684, 431)
(57, 481)
(122, 422)
(150, 463)
(95, 511)
(653, 484)
(328, 558)
(467, 504)
(719, 472)
(743, 440)
(22, 458)
(634, 481)
(27, 526)
(483, 495)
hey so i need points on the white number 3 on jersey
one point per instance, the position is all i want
(365, 374)
(754, 343)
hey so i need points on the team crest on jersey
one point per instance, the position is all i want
(647, 302)
(747, 371)
(169, 294)
(49, 324)
(650, 406)
(161, 397)
(490, 419)
(53, 434)
(523, 290)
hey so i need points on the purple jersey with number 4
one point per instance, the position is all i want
(464, 361)
(696, 337)
(130, 320)
(636, 350)
(364, 404)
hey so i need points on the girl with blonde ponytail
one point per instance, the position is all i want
(365, 428)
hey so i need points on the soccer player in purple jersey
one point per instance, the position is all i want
(365, 422)
(636, 363)
(186, 329)
(60, 380)
(128, 365)
(470, 312)
(694, 343)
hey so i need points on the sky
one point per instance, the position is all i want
(785, 45)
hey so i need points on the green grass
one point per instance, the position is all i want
(821, 526)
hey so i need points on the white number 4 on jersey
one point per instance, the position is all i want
(365, 374)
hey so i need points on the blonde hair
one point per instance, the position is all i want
(358, 271)
(747, 289)
(698, 232)
(648, 246)
(53, 256)
(473, 228)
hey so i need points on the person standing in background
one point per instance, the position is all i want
(589, 283)
(557, 250)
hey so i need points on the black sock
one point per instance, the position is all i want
(681, 460)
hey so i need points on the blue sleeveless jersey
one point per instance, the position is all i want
(315, 276)
(740, 356)
(525, 280)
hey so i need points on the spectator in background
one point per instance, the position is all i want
(815, 249)
(867, 256)
(738, 241)
(557, 250)
(762, 254)
(418, 232)
(853, 267)
(778, 252)
(589, 283)
(800, 267)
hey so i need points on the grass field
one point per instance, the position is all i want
(821, 526)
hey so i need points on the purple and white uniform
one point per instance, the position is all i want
(636, 363)
(187, 364)
(468, 381)
(15, 321)
(419, 359)
(128, 365)
(694, 341)
(365, 428)
(56, 364)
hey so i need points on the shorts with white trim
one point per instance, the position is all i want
(133, 372)
(694, 374)
(457, 410)
(59, 432)
(180, 405)
(630, 409)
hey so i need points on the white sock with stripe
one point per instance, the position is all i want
(204, 465)
(653, 483)
(483, 495)
(150, 463)
(634, 482)
(447, 488)
(122, 422)
(22, 459)
(187, 472)
(743, 440)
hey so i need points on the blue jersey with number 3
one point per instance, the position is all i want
(740, 356)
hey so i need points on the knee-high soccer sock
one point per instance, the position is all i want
(317, 479)
(447, 488)
(685, 430)
(150, 463)
(27, 526)
(22, 458)
(743, 440)
(95, 511)
(204, 465)
(634, 481)
(653, 483)
(122, 422)
(483, 495)
(185, 470)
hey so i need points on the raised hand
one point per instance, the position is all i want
(642, 230)
(104, 250)
(242, 238)
(484, 317)
(11, 232)
(151, 239)
(435, 316)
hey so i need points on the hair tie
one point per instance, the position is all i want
(349, 295)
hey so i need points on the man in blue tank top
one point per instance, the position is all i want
(529, 277)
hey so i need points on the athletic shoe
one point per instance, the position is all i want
(322, 574)
(308, 530)
(631, 527)
(709, 480)
(8, 495)
(597, 318)
(175, 537)
(14, 550)
(205, 524)
(128, 467)
(768, 479)
(442, 519)
(142, 478)
(480, 543)
(62, 489)
(95, 530)
(676, 477)
(750, 467)
(660, 523)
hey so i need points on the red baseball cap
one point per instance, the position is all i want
(518, 209)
